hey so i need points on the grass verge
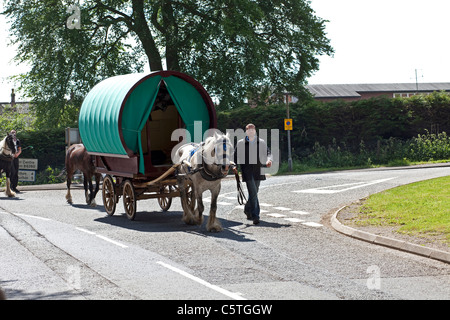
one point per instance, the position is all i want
(418, 209)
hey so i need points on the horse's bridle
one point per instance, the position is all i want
(204, 171)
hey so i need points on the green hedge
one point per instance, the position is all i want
(347, 125)
(338, 133)
(48, 146)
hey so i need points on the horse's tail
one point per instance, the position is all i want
(63, 172)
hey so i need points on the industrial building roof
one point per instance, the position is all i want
(352, 90)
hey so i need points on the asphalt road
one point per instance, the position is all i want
(52, 250)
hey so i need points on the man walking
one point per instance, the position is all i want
(15, 165)
(252, 154)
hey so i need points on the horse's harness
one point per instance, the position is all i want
(210, 176)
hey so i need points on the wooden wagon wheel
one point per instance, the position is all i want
(129, 199)
(165, 202)
(189, 198)
(109, 195)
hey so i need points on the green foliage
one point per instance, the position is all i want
(11, 119)
(232, 47)
(361, 133)
(65, 63)
(429, 147)
(50, 175)
(48, 146)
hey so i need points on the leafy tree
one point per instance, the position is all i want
(11, 119)
(232, 47)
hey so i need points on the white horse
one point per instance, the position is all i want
(202, 166)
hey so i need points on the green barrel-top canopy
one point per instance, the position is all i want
(115, 111)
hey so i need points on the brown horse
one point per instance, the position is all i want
(77, 158)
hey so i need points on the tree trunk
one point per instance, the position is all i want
(145, 36)
(171, 35)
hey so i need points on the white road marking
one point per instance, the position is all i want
(224, 203)
(347, 186)
(102, 237)
(262, 204)
(111, 241)
(282, 208)
(84, 230)
(312, 224)
(276, 215)
(230, 294)
(29, 216)
(294, 219)
(300, 212)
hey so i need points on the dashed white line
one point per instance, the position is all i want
(102, 237)
(202, 282)
(262, 204)
(111, 241)
(30, 216)
(312, 224)
(84, 230)
(276, 215)
(300, 212)
(230, 198)
(282, 208)
(294, 219)
(224, 203)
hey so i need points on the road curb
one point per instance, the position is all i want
(388, 242)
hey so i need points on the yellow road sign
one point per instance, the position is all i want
(287, 124)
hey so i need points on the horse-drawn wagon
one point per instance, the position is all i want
(126, 122)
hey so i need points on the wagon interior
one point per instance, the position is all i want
(156, 135)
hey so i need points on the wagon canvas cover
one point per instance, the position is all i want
(116, 110)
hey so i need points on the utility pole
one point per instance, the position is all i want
(288, 134)
(417, 83)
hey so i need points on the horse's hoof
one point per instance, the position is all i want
(11, 195)
(215, 229)
(190, 222)
(93, 204)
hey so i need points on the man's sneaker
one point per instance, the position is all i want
(249, 215)
(256, 221)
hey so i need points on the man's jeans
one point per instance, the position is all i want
(252, 205)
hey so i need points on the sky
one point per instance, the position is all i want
(385, 41)
(375, 41)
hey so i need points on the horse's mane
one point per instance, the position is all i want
(3, 144)
(209, 143)
(5, 147)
